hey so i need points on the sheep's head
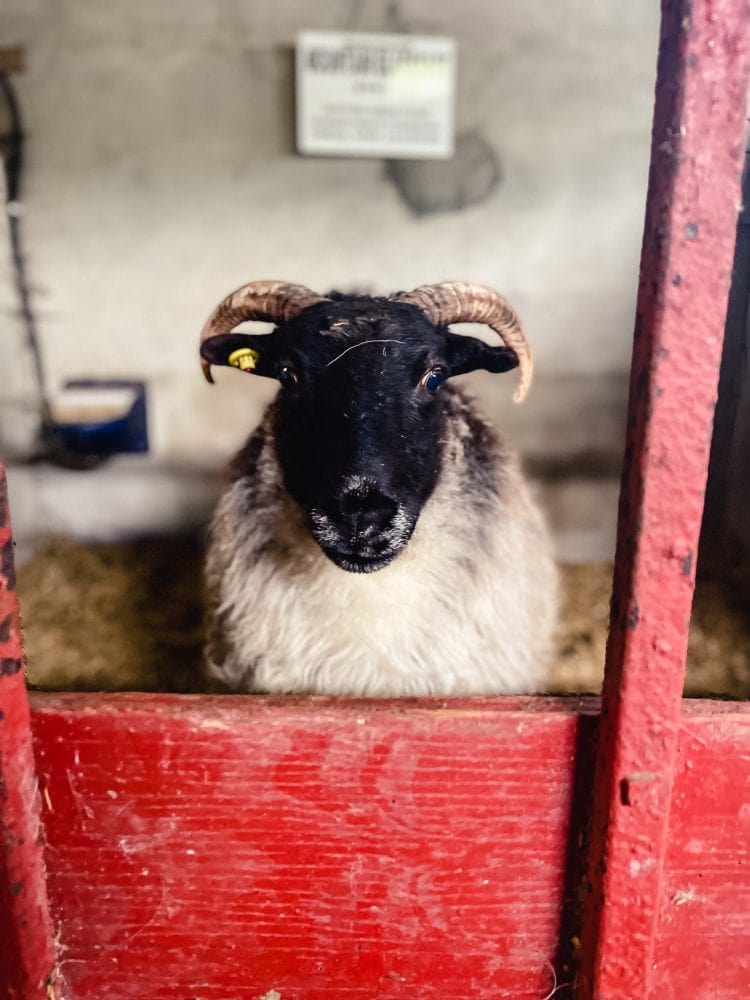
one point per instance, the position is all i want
(360, 415)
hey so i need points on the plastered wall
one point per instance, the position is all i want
(161, 173)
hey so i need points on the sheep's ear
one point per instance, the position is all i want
(466, 354)
(250, 353)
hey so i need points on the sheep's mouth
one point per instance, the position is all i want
(354, 562)
(364, 552)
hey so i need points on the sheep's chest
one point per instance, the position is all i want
(444, 618)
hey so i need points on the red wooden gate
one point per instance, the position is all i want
(227, 847)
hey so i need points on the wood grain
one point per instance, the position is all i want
(229, 847)
(702, 947)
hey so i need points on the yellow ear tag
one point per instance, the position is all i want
(244, 358)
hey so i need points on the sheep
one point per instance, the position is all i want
(376, 537)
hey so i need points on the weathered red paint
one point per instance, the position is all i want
(26, 951)
(229, 847)
(693, 200)
(702, 949)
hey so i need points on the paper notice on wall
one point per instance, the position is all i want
(375, 95)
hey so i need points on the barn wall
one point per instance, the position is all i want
(161, 172)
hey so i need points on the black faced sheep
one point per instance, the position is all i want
(377, 537)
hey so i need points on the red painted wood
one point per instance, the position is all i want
(696, 162)
(26, 949)
(230, 847)
(703, 940)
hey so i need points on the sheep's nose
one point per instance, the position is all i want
(364, 512)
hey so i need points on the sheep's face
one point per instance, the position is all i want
(359, 417)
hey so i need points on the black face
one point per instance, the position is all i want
(359, 416)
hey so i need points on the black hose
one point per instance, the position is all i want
(14, 163)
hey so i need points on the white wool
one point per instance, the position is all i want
(468, 608)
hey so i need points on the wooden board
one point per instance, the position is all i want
(702, 946)
(232, 847)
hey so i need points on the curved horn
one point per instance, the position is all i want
(462, 302)
(273, 301)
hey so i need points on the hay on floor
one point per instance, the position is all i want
(128, 616)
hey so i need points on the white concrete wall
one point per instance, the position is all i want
(161, 174)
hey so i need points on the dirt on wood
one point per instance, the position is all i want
(128, 616)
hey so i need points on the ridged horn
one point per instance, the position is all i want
(462, 302)
(271, 301)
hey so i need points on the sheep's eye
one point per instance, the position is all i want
(287, 376)
(433, 379)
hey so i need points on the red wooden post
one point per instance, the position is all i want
(696, 163)
(26, 940)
